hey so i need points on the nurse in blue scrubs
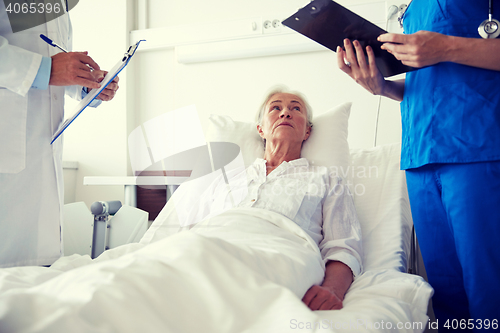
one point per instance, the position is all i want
(450, 111)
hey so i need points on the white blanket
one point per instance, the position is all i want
(240, 272)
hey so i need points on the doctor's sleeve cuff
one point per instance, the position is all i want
(42, 78)
(95, 103)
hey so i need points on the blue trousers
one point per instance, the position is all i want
(456, 213)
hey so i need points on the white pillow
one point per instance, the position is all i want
(326, 146)
(382, 206)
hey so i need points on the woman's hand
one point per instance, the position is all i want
(365, 74)
(421, 49)
(330, 295)
(322, 298)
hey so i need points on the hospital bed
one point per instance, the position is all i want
(105, 226)
(130, 288)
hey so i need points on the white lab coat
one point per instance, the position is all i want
(31, 181)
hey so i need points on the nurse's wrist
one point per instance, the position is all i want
(393, 90)
(452, 48)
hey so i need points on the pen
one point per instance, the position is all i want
(51, 43)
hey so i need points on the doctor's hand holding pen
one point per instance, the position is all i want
(77, 68)
(73, 68)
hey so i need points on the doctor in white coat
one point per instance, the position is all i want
(31, 182)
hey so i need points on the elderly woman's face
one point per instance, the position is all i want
(285, 118)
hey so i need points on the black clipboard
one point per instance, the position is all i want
(329, 23)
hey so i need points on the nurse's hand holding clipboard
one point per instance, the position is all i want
(353, 62)
(426, 48)
(421, 49)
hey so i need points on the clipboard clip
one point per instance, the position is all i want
(131, 50)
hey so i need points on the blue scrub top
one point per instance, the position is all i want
(450, 112)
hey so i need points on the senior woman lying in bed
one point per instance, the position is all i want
(285, 183)
(284, 123)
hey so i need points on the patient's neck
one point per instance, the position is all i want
(276, 153)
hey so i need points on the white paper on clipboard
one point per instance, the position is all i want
(95, 92)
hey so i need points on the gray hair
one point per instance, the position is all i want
(283, 90)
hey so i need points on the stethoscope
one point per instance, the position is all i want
(487, 29)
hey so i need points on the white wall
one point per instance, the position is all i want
(96, 139)
(157, 83)
(236, 87)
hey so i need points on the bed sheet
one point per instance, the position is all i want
(198, 282)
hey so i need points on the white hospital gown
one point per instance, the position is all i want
(320, 203)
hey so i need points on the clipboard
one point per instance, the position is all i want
(328, 23)
(95, 92)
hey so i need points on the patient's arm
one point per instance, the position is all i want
(329, 296)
